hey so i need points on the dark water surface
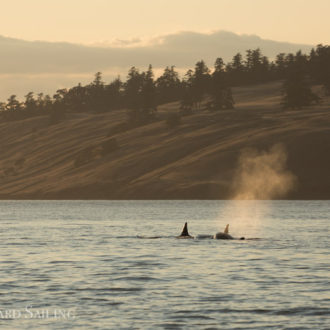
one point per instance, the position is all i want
(81, 264)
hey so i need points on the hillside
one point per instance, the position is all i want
(197, 160)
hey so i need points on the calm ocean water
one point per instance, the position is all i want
(94, 265)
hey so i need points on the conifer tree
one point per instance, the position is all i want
(220, 91)
(297, 91)
(200, 82)
(168, 86)
(188, 96)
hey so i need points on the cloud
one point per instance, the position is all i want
(182, 49)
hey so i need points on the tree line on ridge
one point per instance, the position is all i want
(141, 93)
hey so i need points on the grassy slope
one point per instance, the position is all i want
(196, 160)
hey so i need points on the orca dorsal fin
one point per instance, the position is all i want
(185, 230)
(226, 231)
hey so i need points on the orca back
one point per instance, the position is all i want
(223, 236)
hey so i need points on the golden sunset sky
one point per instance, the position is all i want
(143, 32)
(103, 21)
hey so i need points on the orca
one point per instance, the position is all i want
(224, 235)
(220, 235)
(184, 233)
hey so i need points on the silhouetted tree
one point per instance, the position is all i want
(132, 89)
(30, 104)
(320, 66)
(297, 91)
(13, 104)
(98, 80)
(96, 93)
(280, 66)
(236, 70)
(44, 103)
(257, 66)
(78, 99)
(220, 91)
(188, 97)
(148, 93)
(200, 83)
(114, 94)
(168, 86)
(59, 107)
(140, 95)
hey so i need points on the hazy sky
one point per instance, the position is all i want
(94, 21)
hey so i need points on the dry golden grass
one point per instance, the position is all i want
(196, 160)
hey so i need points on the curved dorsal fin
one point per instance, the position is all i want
(226, 231)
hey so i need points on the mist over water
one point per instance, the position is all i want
(260, 175)
(263, 175)
(86, 257)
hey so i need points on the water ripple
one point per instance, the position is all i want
(118, 265)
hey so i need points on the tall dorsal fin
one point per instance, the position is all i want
(185, 230)
(226, 231)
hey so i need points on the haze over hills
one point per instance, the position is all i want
(42, 66)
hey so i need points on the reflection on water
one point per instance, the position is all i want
(84, 265)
